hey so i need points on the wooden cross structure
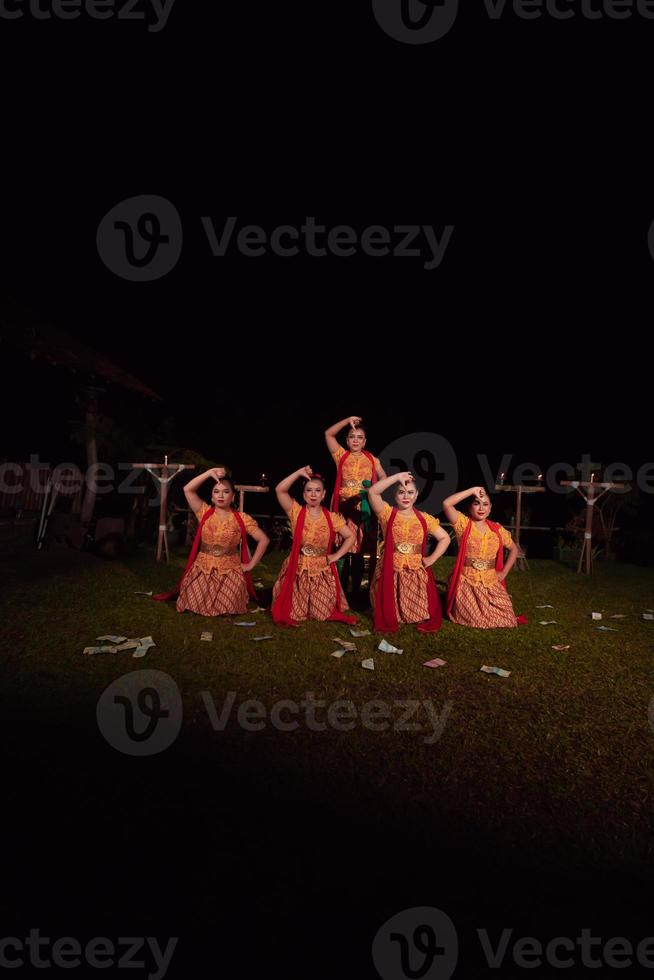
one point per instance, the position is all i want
(591, 498)
(521, 562)
(243, 489)
(163, 473)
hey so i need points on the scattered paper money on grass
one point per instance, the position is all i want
(344, 644)
(257, 638)
(607, 629)
(206, 636)
(368, 664)
(648, 615)
(436, 662)
(339, 653)
(144, 593)
(618, 616)
(547, 622)
(244, 624)
(140, 645)
(596, 615)
(546, 606)
(561, 646)
(496, 670)
(111, 639)
(387, 647)
(360, 632)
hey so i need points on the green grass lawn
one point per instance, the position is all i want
(560, 753)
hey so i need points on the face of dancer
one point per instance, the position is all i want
(405, 495)
(222, 495)
(480, 508)
(314, 493)
(356, 440)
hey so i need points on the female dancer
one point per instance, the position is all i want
(403, 590)
(356, 471)
(308, 586)
(217, 579)
(477, 593)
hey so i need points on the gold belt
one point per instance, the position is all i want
(480, 564)
(405, 548)
(216, 550)
(351, 484)
(311, 552)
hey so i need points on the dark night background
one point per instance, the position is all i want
(533, 336)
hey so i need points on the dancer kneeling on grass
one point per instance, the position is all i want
(403, 589)
(308, 586)
(217, 579)
(477, 593)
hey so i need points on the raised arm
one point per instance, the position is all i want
(283, 487)
(376, 490)
(449, 504)
(330, 434)
(191, 488)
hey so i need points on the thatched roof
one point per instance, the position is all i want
(23, 331)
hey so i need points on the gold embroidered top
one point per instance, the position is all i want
(482, 546)
(315, 535)
(407, 531)
(222, 533)
(356, 469)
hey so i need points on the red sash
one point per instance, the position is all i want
(339, 477)
(385, 615)
(245, 557)
(283, 605)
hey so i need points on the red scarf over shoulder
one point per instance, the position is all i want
(336, 499)
(282, 607)
(167, 596)
(385, 614)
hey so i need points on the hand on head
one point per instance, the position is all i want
(306, 472)
(355, 420)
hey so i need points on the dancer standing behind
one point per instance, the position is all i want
(477, 593)
(308, 586)
(356, 471)
(403, 590)
(217, 579)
